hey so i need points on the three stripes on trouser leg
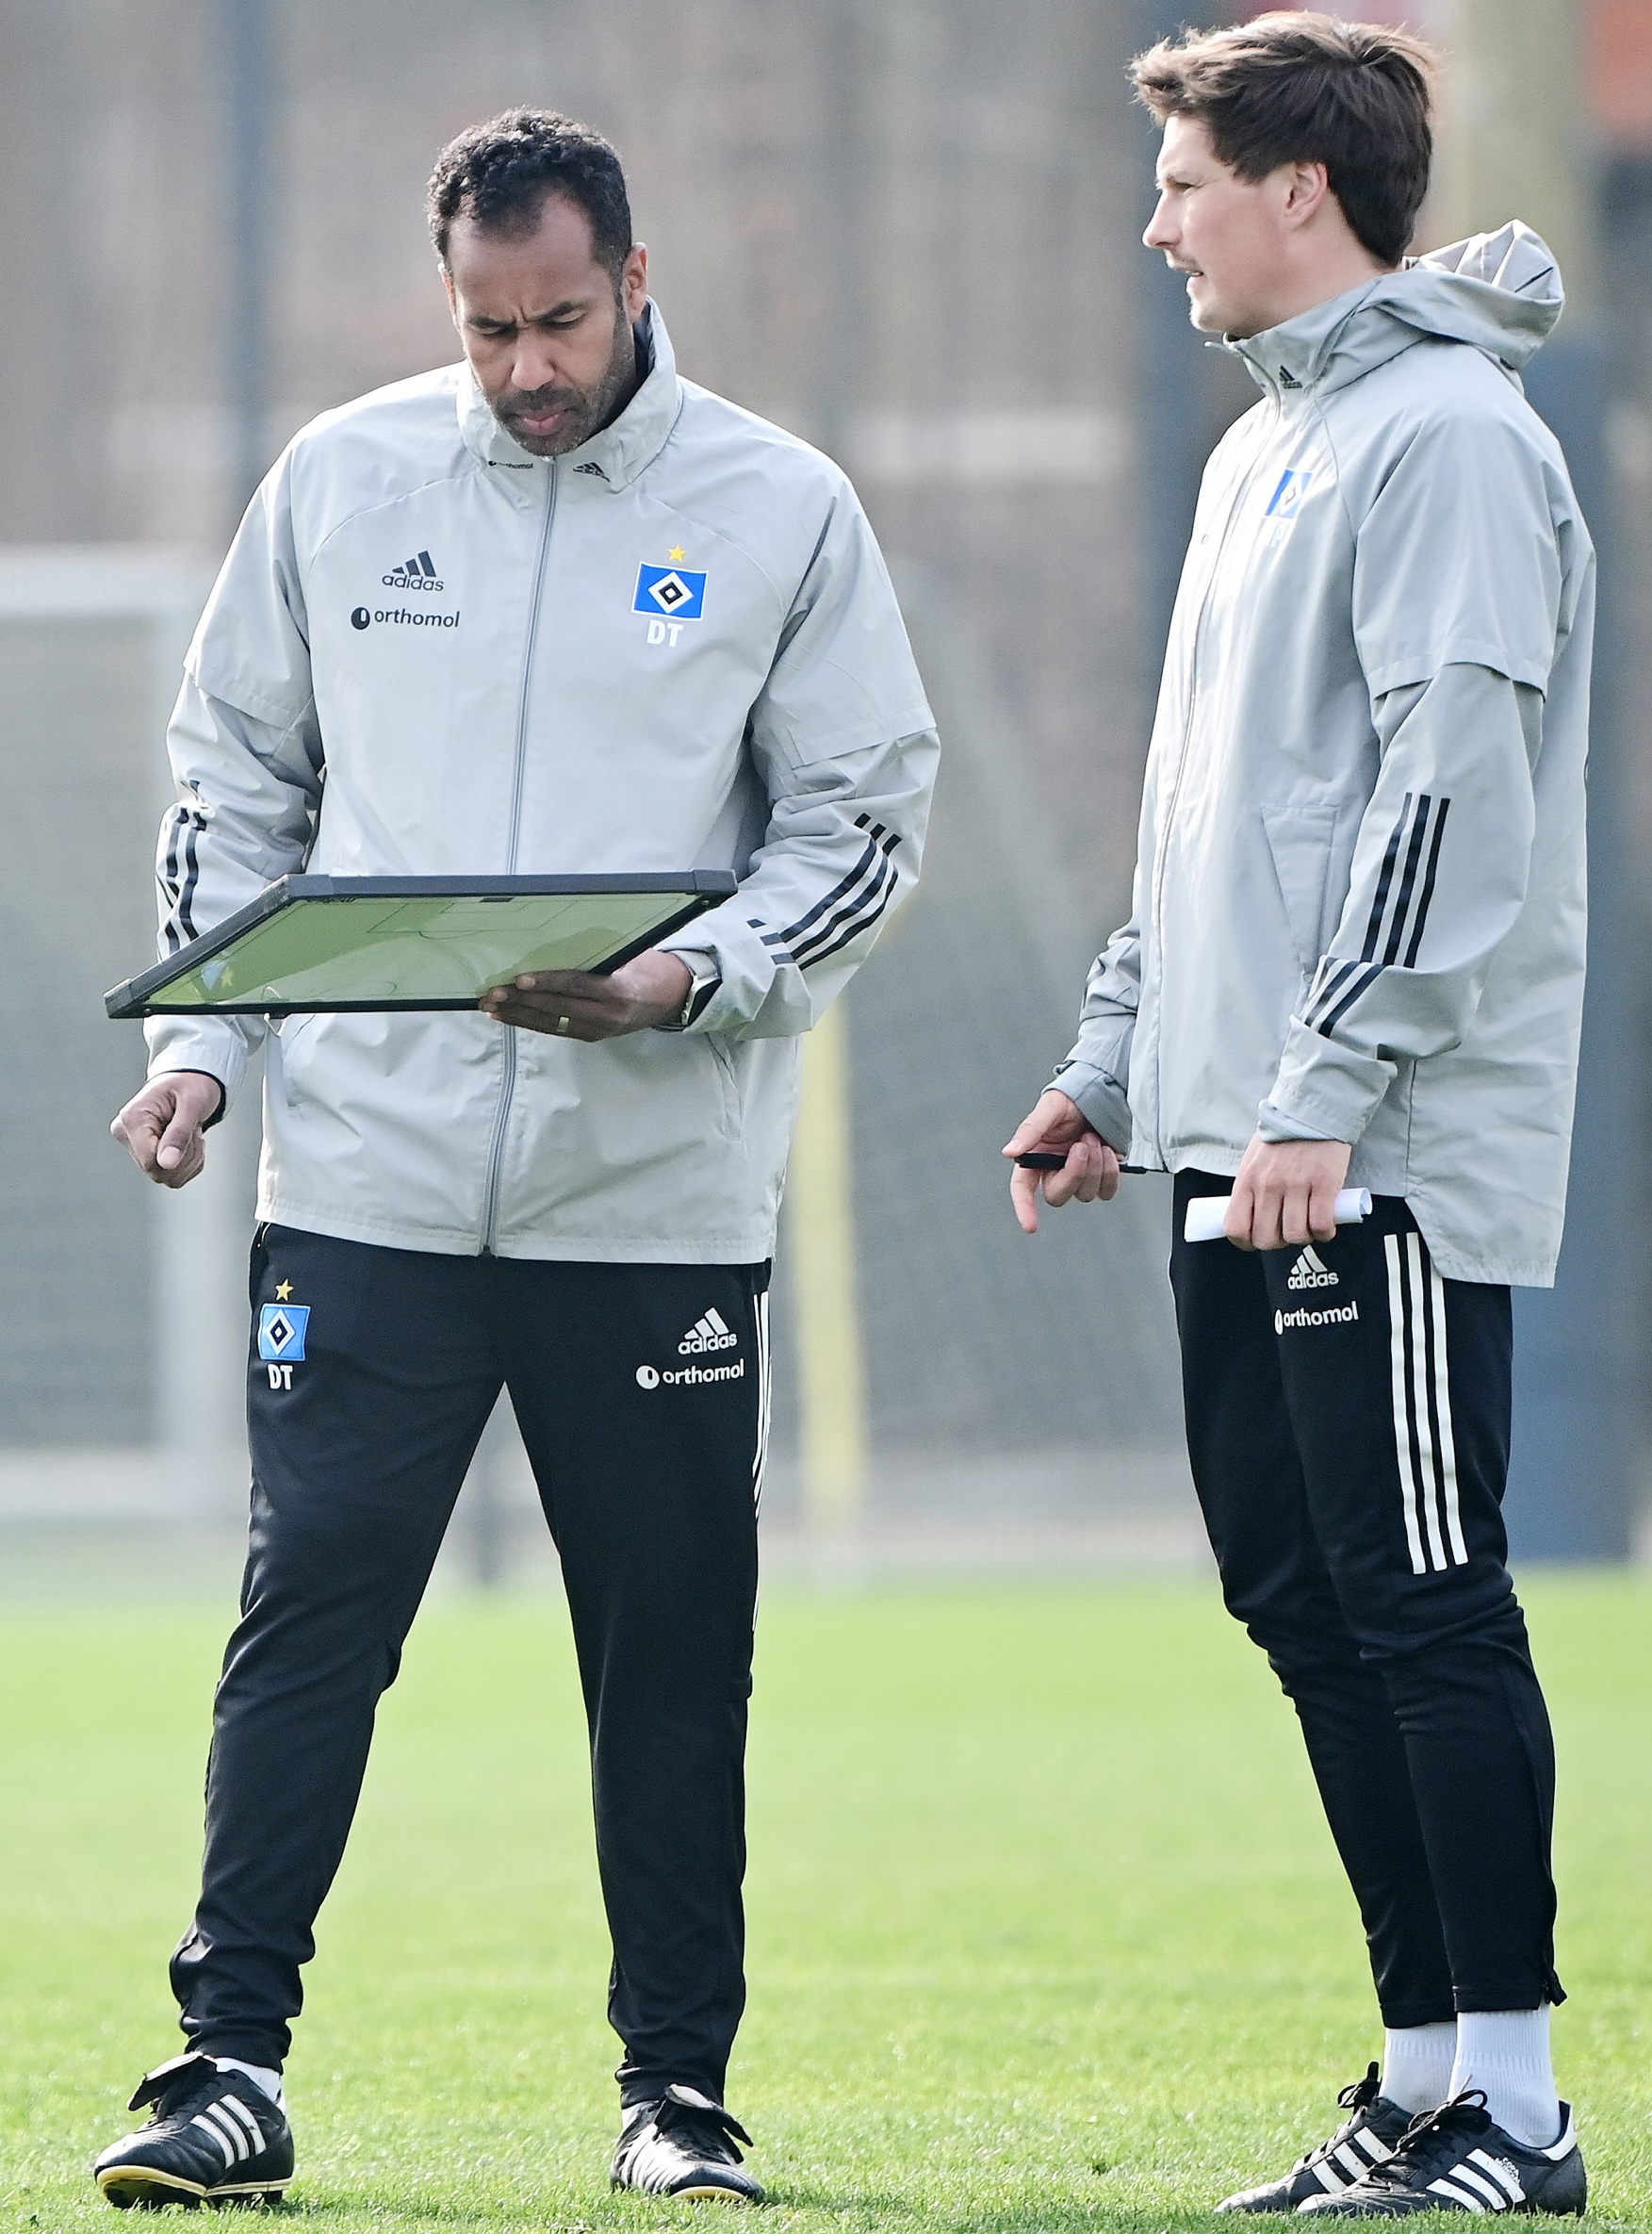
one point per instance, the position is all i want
(1423, 1438)
(765, 1394)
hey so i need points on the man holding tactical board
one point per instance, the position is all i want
(552, 611)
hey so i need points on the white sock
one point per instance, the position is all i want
(1416, 2065)
(264, 2077)
(1505, 2053)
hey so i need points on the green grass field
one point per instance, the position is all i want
(1046, 1931)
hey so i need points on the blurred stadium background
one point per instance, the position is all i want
(906, 229)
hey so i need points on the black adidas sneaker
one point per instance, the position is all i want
(1365, 2138)
(1455, 2159)
(213, 2137)
(683, 2145)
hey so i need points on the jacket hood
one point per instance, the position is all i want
(1500, 292)
(618, 452)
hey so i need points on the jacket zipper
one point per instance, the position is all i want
(1243, 491)
(495, 1157)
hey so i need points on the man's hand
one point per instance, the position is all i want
(161, 1127)
(1089, 1174)
(1285, 1194)
(579, 1005)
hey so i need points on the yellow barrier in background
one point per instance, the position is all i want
(820, 1192)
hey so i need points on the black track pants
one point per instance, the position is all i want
(1347, 1423)
(641, 1393)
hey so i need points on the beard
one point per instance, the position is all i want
(586, 410)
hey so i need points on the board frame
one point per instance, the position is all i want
(700, 889)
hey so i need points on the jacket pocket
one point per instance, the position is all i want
(1301, 841)
(288, 1034)
(726, 1065)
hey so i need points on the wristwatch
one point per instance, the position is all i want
(702, 988)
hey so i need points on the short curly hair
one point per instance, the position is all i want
(498, 175)
(1300, 87)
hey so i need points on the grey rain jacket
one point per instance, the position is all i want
(424, 657)
(1360, 900)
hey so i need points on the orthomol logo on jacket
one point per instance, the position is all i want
(409, 617)
(669, 595)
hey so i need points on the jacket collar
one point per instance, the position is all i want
(1500, 292)
(1299, 353)
(619, 453)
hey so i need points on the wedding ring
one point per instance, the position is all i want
(562, 1023)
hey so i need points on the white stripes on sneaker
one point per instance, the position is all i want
(654, 2162)
(1482, 2182)
(234, 2127)
(1337, 2166)
(1423, 1438)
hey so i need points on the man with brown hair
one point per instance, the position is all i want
(1357, 954)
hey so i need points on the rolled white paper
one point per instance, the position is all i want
(1205, 1213)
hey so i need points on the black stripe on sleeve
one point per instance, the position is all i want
(1367, 978)
(1329, 975)
(1427, 891)
(852, 913)
(1378, 905)
(854, 930)
(820, 906)
(856, 901)
(1419, 823)
(168, 881)
(179, 925)
(191, 877)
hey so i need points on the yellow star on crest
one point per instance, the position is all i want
(283, 1290)
(676, 554)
